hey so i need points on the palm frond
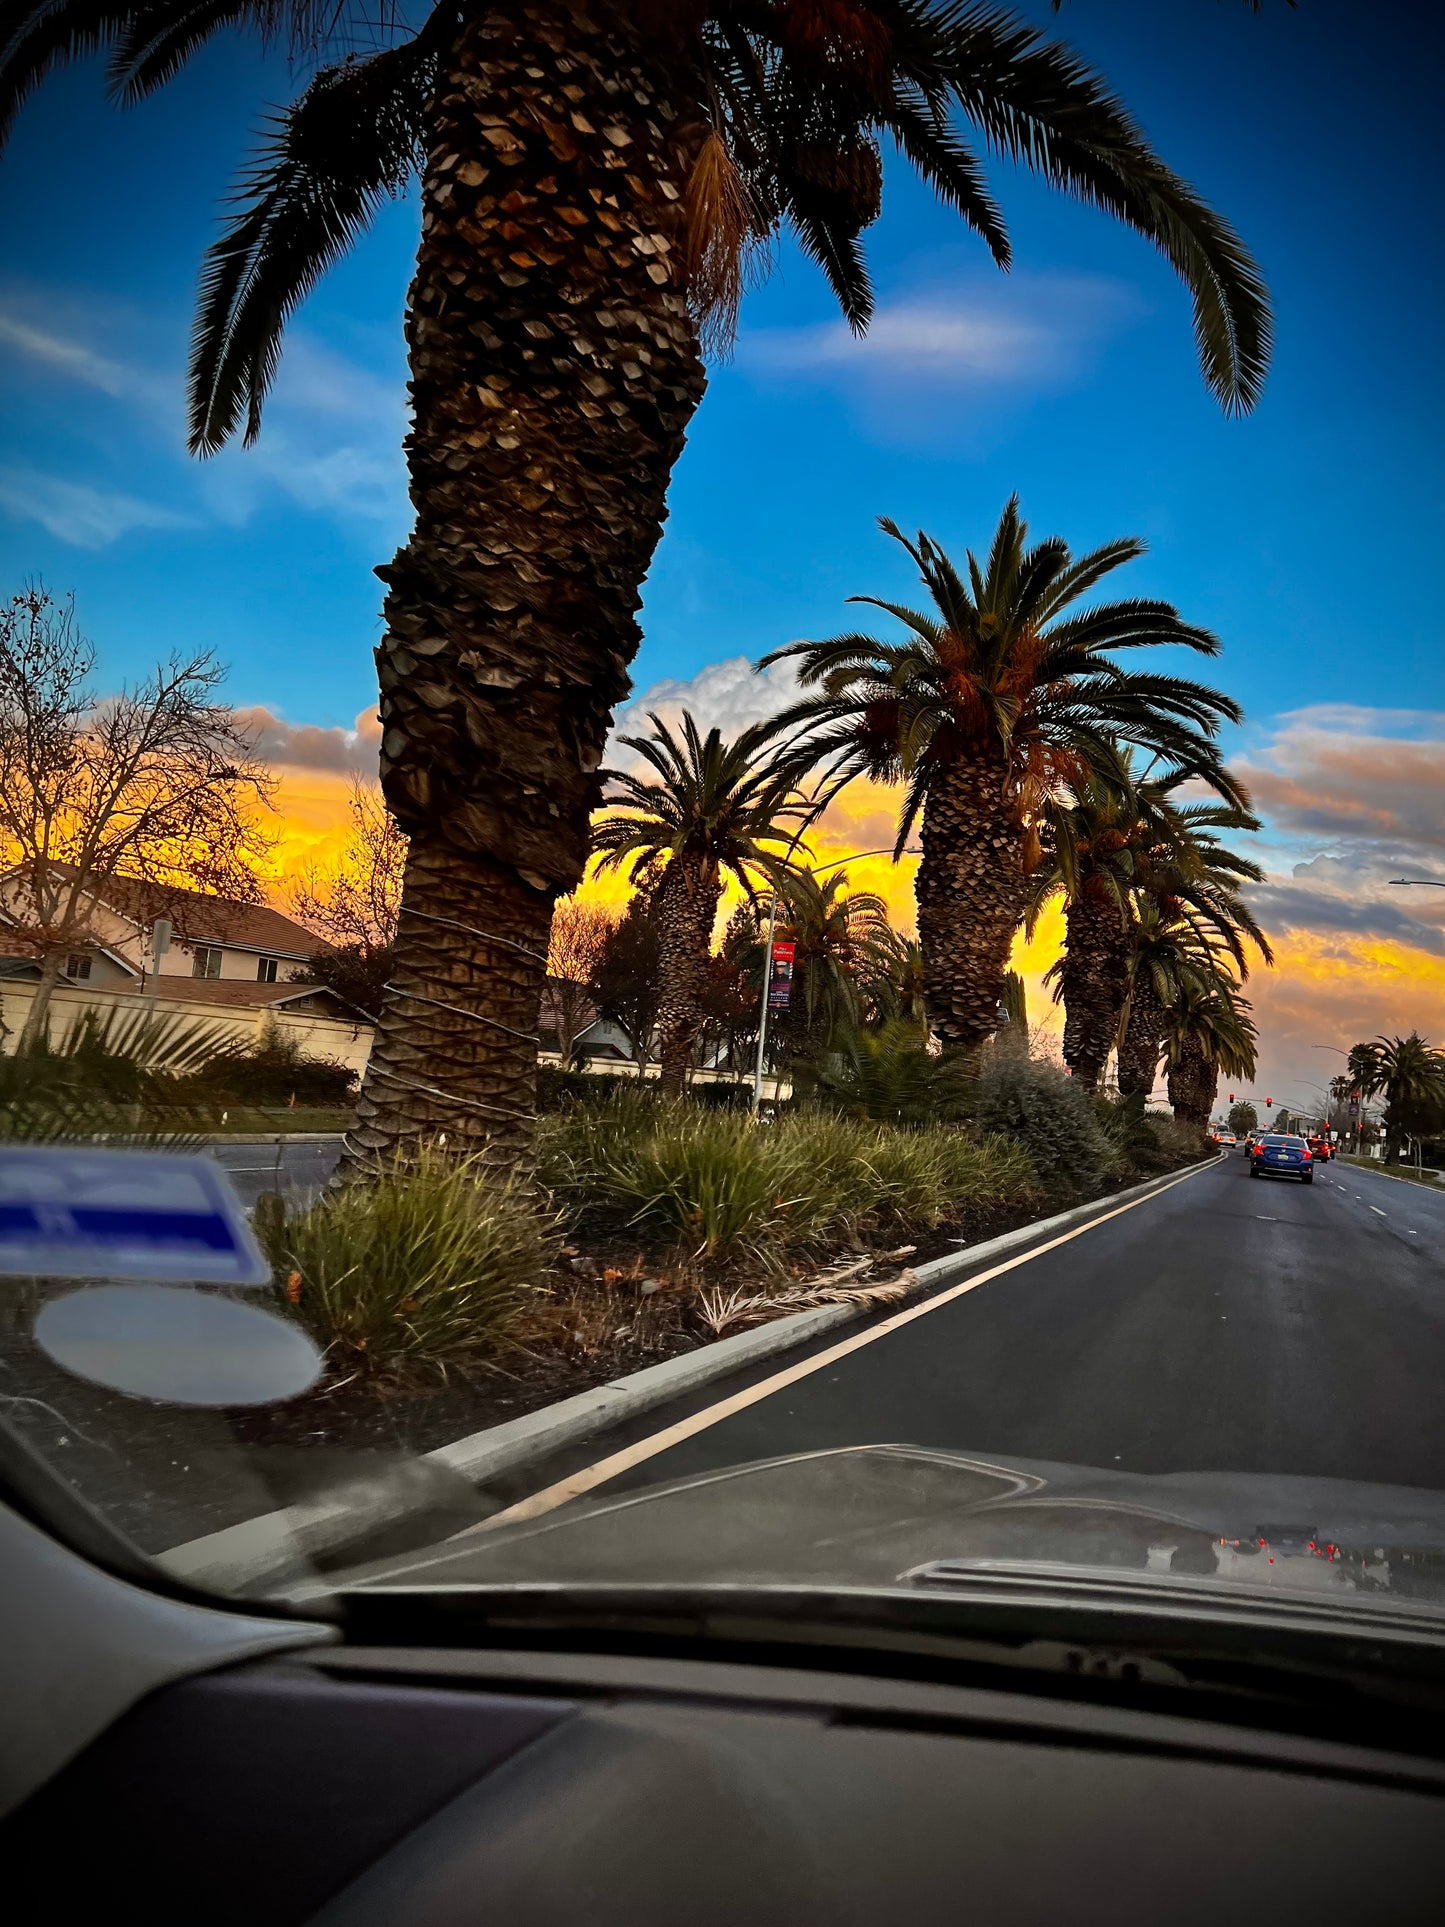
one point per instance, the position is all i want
(330, 160)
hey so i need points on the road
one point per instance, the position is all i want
(1226, 1324)
(297, 1167)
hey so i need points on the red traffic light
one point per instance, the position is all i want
(1268, 1103)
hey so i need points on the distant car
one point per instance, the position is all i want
(1277, 1156)
(1322, 1148)
(1225, 1137)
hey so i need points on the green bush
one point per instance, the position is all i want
(273, 1071)
(1050, 1117)
(427, 1267)
(714, 1187)
(887, 1075)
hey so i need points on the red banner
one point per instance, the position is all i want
(780, 983)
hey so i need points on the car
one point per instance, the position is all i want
(1278, 1155)
(1226, 1138)
(1322, 1148)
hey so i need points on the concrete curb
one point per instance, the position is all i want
(243, 1553)
(272, 1137)
(1429, 1182)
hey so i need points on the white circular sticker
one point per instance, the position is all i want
(184, 1346)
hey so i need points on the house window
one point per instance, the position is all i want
(77, 966)
(207, 960)
(266, 970)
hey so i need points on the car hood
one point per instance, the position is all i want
(885, 1515)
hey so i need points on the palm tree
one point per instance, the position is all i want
(712, 808)
(996, 700)
(844, 947)
(1410, 1075)
(1114, 836)
(1208, 1029)
(597, 183)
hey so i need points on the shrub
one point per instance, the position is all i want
(274, 1071)
(714, 1187)
(1051, 1118)
(888, 1075)
(428, 1266)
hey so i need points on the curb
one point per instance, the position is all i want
(1426, 1183)
(275, 1541)
(272, 1137)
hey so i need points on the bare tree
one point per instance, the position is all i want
(580, 934)
(355, 904)
(159, 783)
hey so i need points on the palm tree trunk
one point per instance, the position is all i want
(1095, 983)
(1190, 1092)
(686, 908)
(1142, 1040)
(970, 901)
(554, 371)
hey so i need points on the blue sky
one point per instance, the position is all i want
(1307, 535)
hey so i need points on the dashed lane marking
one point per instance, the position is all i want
(1378, 1212)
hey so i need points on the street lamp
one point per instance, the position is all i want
(856, 856)
(1406, 883)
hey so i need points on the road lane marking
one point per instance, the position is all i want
(1264, 1220)
(1377, 1211)
(602, 1470)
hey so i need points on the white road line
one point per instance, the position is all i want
(1264, 1220)
(616, 1463)
(1378, 1212)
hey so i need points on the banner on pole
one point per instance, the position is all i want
(780, 983)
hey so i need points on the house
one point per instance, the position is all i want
(229, 964)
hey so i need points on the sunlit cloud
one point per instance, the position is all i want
(312, 746)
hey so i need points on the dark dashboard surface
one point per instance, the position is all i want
(442, 1789)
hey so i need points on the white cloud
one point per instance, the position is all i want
(88, 518)
(1025, 330)
(722, 695)
(922, 341)
(331, 439)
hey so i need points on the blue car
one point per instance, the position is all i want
(1277, 1156)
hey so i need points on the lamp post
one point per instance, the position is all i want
(1409, 883)
(856, 856)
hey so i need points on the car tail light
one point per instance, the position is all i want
(1305, 1156)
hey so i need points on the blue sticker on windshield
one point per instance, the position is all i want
(71, 1211)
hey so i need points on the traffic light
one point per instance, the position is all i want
(1231, 1097)
(1269, 1103)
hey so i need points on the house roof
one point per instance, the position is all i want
(199, 917)
(248, 996)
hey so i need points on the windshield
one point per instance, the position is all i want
(694, 892)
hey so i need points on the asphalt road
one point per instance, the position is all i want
(297, 1167)
(1228, 1324)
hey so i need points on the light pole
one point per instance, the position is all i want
(856, 856)
(1409, 883)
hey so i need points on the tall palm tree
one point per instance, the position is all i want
(709, 808)
(598, 179)
(1410, 1076)
(998, 698)
(1208, 1030)
(1114, 835)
